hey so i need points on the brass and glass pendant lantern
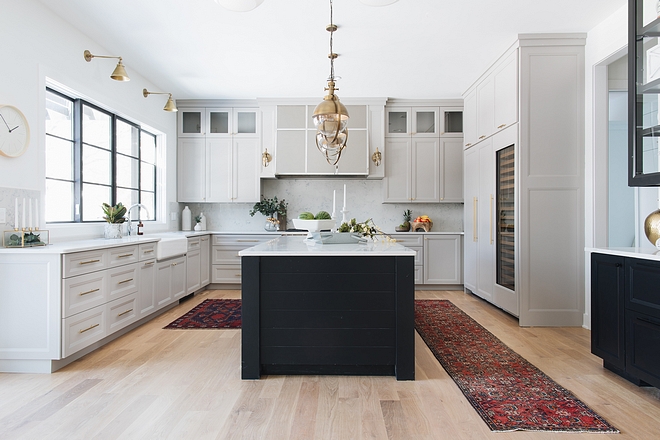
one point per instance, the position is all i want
(330, 116)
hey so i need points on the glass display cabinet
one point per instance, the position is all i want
(643, 93)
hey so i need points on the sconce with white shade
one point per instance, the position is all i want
(119, 74)
(169, 105)
(239, 5)
(330, 116)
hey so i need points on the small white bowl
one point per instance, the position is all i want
(313, 225)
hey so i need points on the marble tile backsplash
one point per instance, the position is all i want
(8, 198)
(364, 201)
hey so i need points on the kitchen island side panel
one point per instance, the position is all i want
(333, 315)
(250, 365)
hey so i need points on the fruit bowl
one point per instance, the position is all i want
(425, 226)
(313, 225)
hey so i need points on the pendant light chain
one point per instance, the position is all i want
(332, 54)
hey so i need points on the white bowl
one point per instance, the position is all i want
(313, 225)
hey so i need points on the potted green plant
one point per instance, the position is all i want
(114, 216)
(269, 208)
(405, 226)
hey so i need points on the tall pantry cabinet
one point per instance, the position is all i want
(524, 181)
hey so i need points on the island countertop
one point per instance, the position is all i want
(298, 246)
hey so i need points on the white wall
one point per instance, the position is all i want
(37, 45)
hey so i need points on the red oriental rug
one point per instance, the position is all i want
(211, 314)
(507, 391)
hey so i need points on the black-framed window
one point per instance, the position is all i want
(94, 156)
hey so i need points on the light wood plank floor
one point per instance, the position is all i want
(185, 384)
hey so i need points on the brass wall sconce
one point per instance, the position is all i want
(266, 158)
(169, 105)
(377, 157)
(119, 74)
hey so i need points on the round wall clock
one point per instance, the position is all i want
(14, 131)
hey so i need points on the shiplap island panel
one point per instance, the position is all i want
(342, 309)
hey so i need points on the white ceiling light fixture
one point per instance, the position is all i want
(240, 5)
(378, 2)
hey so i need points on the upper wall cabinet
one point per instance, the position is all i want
(643, 93)
(413, 121)
(493, 104)
(218, 122)
(423, 153)
(219, 155)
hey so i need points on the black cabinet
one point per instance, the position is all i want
(607, 307)
(625, 309)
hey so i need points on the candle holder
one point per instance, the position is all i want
(344, 217)
(27, 237)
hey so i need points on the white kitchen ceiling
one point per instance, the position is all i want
(411, 49)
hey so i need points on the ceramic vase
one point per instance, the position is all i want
(113, 230)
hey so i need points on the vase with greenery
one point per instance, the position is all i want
(114, 217)
(269, 208)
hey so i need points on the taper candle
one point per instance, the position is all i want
(36, 213)
(23, 219)
(344, 196)
(30, 209)
(16, 213)
(334, 198)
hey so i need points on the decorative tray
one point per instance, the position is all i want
(336, 238)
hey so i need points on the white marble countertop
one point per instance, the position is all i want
(634, 252)
(298, 246)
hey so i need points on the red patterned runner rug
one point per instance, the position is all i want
(210, 314)
(507, 391)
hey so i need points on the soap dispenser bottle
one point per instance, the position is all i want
(203, 222)
(186, 219)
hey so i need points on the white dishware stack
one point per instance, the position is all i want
(203, 222)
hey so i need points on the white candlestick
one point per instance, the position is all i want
(344, 196)
(334, 198)
(36, 213)
(16, 213)
(23, 219)
(30, 223)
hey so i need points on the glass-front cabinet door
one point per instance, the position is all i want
(413, 121)
(218, 121)
(245, 121)
(644, 91)
(192, 122)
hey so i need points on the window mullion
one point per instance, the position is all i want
(77, 161)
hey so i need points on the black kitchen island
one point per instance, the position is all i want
(343, 309)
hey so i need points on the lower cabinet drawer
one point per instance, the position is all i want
(226, 254)
(121, 312)
(226, 273)
(83, 293)
(122, 281)
(83, 329)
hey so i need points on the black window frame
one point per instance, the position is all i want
(78, 171)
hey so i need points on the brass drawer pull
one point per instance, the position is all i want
(149, 263)
(205, 239)
(123, 313)
(501, 126)
(237, 275)
(89, 291)
(125, 255)
(125, 281)
(88, 328)
(467, 145)
(482, 137)
(248, 241)
(89, 262)
(148, 251)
